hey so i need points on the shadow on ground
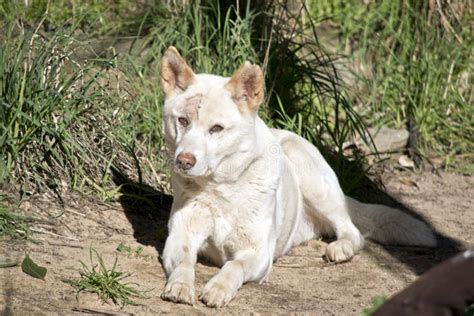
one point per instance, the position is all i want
(418, 259)
(148, 211)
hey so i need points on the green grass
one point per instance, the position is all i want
(416, 64)
(376, 303)
(47, 128)
(95, 18)
(73, 110)
(13, 225)
(469, 310)
(108, 283)
(132, 252)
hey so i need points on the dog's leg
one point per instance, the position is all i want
(180, 254)
(325, 203)
(333, 212)
(248, 265)
(323, 198)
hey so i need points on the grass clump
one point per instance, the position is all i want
(97, 18)
(469, 310)
(48, 113)
(376, 303)
(13, 225)
(137, 252)
(413, 67)
(108, 283)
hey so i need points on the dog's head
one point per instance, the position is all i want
(209, 119)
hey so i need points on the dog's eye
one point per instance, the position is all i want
(183, 121)
(216, 129)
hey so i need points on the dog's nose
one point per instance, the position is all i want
(186, 161)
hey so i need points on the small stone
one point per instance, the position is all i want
(406, 162)
(386, 140)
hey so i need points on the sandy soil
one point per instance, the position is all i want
(300, 282)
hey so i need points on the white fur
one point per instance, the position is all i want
(253, 194)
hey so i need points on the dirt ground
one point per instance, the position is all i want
(301, 282)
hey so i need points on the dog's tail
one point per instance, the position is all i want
(389, 225)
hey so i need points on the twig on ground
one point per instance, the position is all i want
(40, 231)
(64, 245)
(74, 212)
(96, 311)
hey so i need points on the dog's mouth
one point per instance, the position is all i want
(191, 173)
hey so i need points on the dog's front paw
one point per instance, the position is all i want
(179, 292)
(216, 294)
(340, 250)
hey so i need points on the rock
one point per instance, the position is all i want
(406, 162)
(446, 289)
(385, 139)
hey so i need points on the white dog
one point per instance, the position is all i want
(244, 194)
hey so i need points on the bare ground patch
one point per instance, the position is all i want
(300, 282)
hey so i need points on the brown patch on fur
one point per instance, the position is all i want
(193, 104)
(247, 87)
(176, 75)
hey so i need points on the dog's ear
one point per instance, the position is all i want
(247, 86)
(176, 75)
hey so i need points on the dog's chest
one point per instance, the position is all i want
(231, 212)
